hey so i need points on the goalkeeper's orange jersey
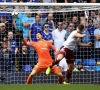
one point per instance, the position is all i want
(43, 50)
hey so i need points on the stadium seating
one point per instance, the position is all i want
(96, 68)
(77, 60)
(26, 68)
(89, 62)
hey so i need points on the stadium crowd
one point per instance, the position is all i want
(55, 27)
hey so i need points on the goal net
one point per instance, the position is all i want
(17, 60)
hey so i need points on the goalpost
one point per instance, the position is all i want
(10, 68)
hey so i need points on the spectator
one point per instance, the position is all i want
(8, 25)
(46, 34)
(98, 16)
(7, 58)
(18, 25)
(5, 13)
(66, 21)
(27, 22)
(12, 45)
(84, 52)
(43, 20)
(60, 1)
(94, 18)
(23, 57)
(17, 22)
(75, 21)
(3, 33)
(50, 21)
(97, 43)
(35, 27)
(58, 35)
(80, 66)
(69, 30)
(91, 29)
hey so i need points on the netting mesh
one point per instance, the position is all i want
(17, 60)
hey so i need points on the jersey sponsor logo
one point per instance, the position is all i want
(44, 48)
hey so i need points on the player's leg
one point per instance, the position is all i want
(58, 72)
(59, 57)
(70, 61)
(29, 79)
(69, 71)
(36, 69)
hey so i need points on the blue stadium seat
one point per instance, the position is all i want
(77, 60)
(89, 62)
(26, 67)
(96, 68)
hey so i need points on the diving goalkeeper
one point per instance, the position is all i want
(42, 47)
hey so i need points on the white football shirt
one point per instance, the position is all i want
(71, 41)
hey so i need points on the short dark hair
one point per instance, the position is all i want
(80, 27)
(45, 23)
(37, 15)
(39, 32)
(90, 20)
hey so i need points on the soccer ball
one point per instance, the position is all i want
(15, 14)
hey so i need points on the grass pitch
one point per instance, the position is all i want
(51, 87)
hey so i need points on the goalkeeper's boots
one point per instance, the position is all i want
(65, 82)
(48, 71)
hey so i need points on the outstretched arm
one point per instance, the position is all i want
(84, 45)
(25, 41)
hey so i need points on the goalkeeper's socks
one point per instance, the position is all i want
(68, 75)
(29, 79)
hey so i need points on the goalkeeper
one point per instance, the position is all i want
(42, 47)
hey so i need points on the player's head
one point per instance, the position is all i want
(80, 28)
(39, 36)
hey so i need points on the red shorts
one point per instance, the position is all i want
(68, 54)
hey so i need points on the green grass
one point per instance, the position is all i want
(50, 87)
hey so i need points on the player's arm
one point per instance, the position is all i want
(78, 35)
(25, 41)
(83, 44)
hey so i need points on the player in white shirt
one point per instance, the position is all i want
(67, 51)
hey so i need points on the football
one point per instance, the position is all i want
(15, 14)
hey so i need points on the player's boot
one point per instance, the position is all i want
(48, 71)
(65, 82)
